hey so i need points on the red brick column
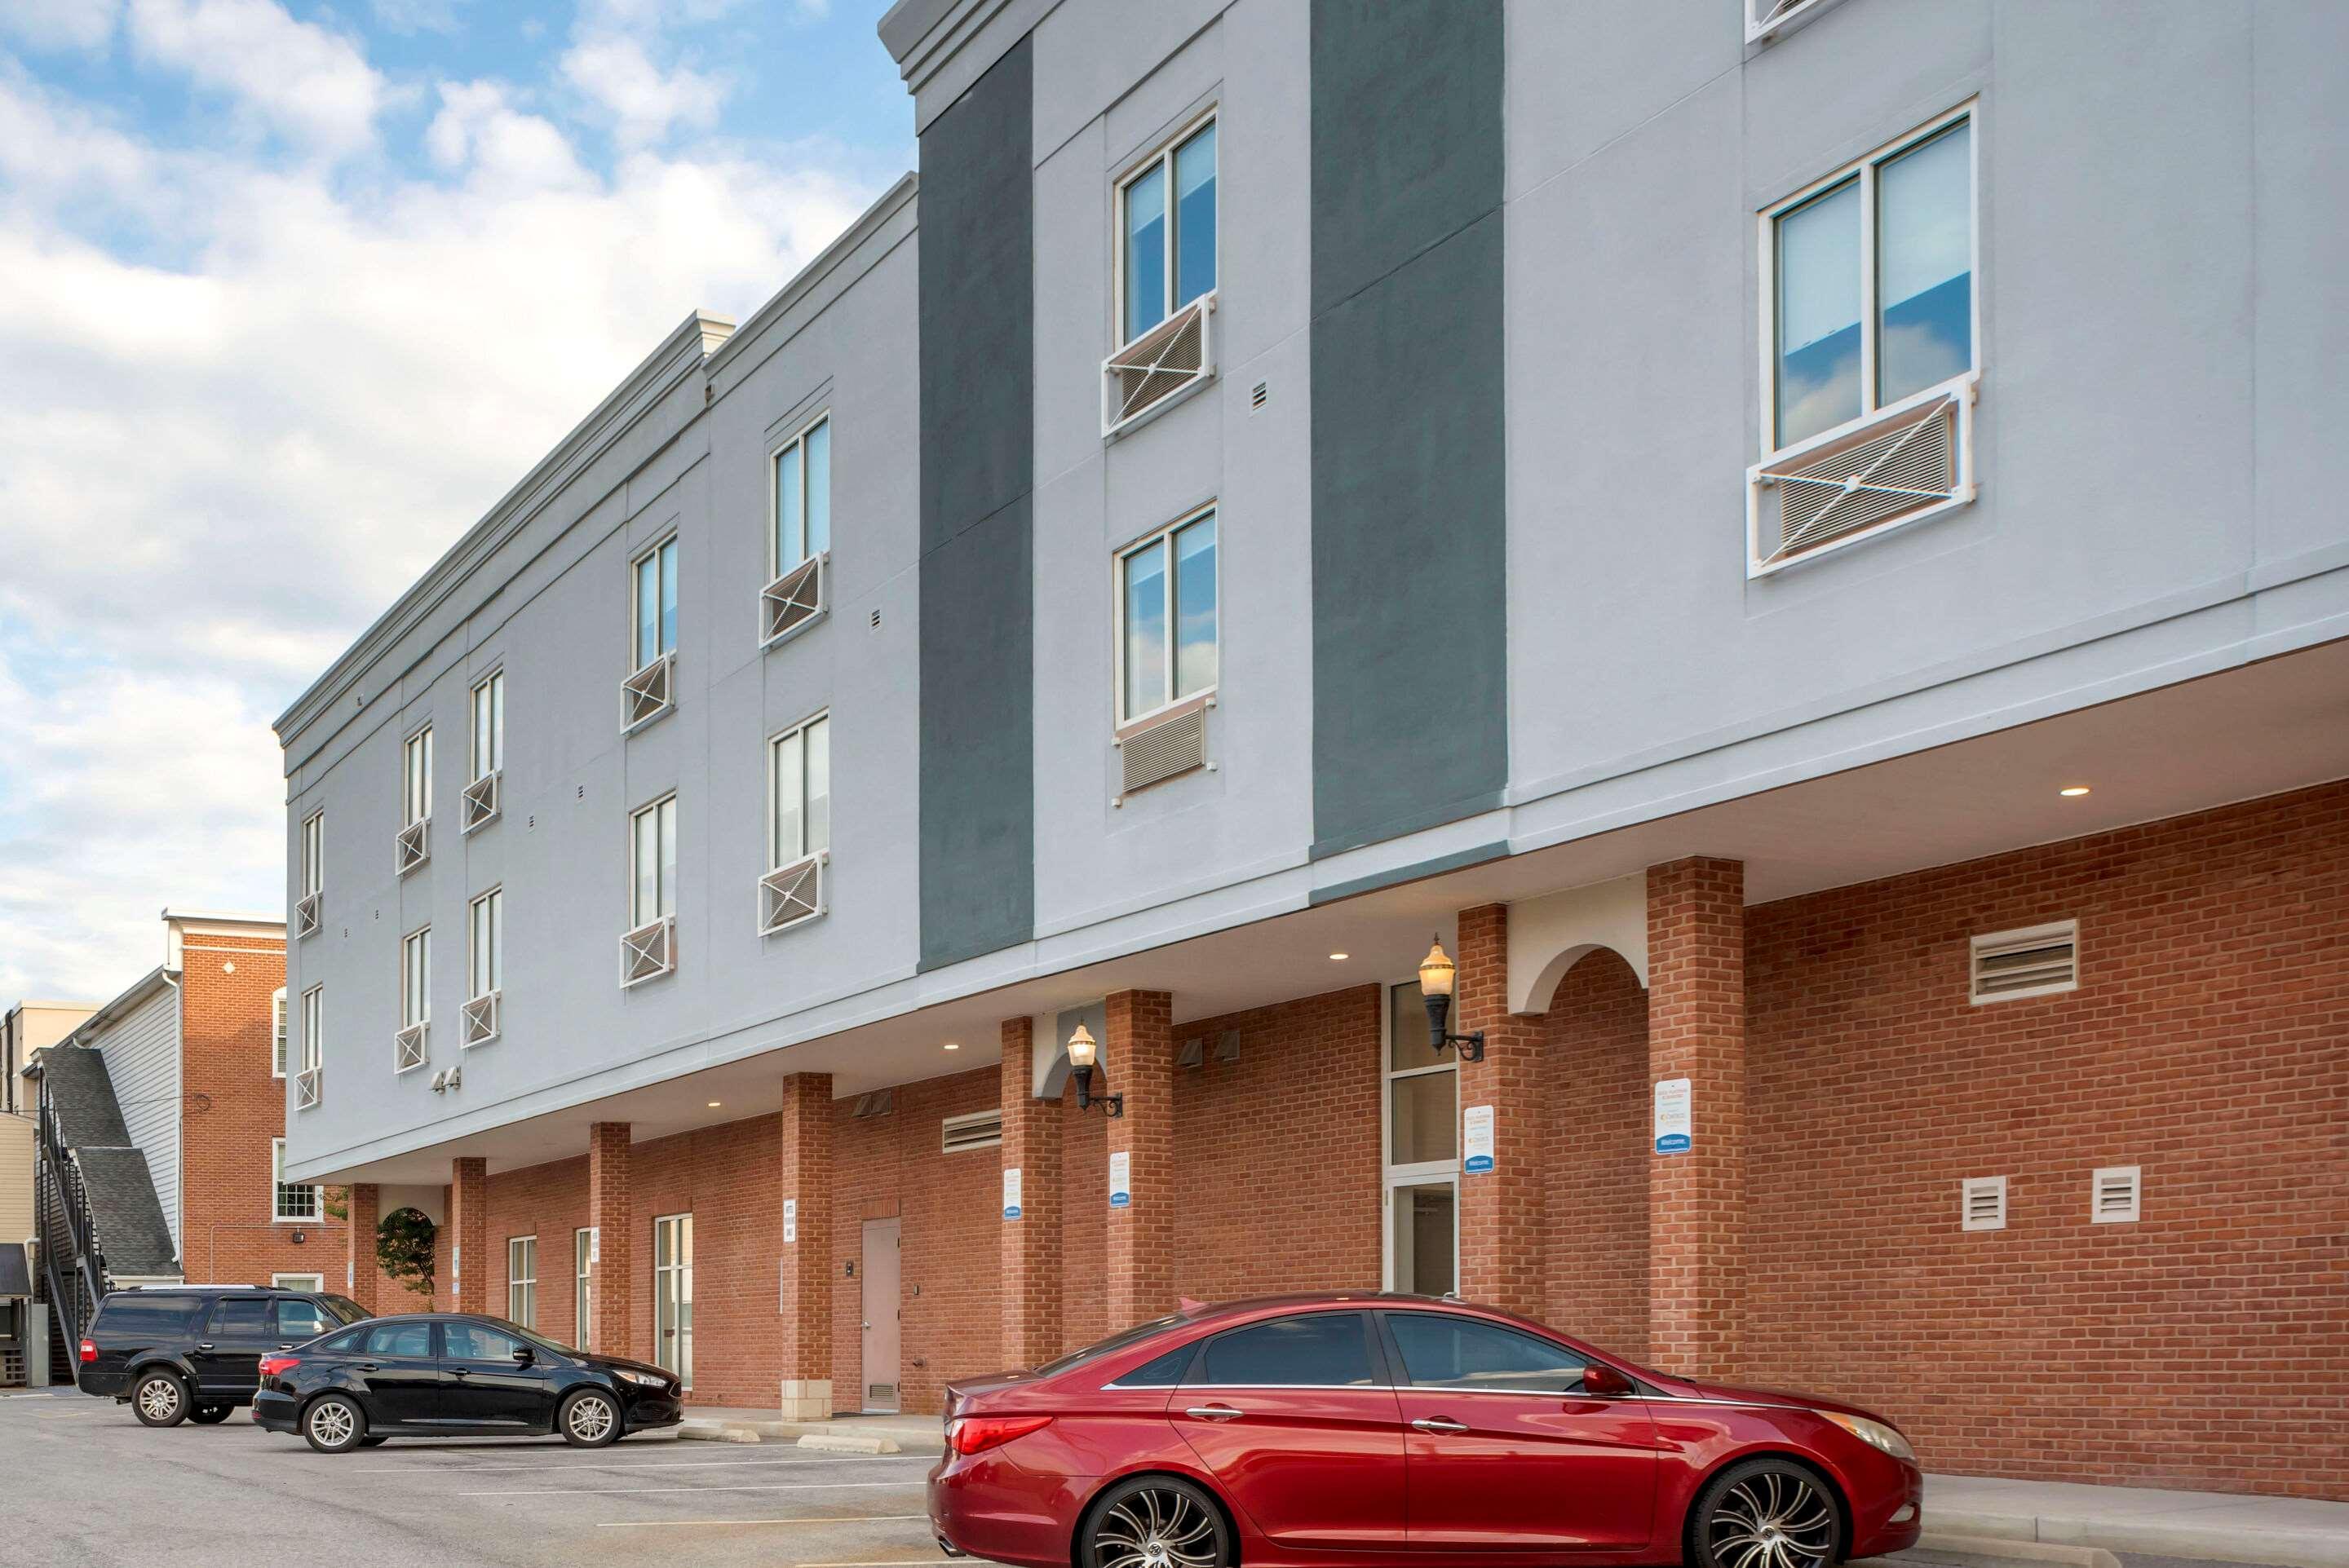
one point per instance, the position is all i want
(468, 1234)
(611, 1279)
(1138, 1061)
(360, 1273)
(806, 1226)
(1503, 1230)
(1032, 1242)
(1696, 1030)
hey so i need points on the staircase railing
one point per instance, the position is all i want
(71, 1265)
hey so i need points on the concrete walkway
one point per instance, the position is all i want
(2297, 1533)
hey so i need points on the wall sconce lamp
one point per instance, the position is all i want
(1082, 1054)
(1436, 973)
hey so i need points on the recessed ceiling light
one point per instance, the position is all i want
(2071, 790)
(954, 1045)
(713, 1105)
(1342, 956)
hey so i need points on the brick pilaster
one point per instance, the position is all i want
(610, 1281)
(360, 1274)
(1696, 1030)
(1031, 1243)
(1138, 1061)
(468, 1234)
(1503, 1227)
(806, 1394)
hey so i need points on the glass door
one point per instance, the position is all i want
(673, 1295)
(1422, 1171)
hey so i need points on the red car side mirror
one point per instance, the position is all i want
(1605, 1382)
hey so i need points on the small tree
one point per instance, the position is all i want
(403, 1248)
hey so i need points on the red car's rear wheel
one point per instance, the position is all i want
(1156, 1522)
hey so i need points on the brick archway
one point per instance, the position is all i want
(1596, 1070)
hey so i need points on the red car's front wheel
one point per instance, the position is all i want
(1765, 1513)
(1156, 1522)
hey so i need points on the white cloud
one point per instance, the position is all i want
(307, 83)
(218, 466)
(615, 70)
(60, 24)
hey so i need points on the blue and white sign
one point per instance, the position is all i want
(1012, 1192)
(791, 1221)
(1121, 1181)
(1476, 1139)
(1673, 1123)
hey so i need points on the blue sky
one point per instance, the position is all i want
(290, 293)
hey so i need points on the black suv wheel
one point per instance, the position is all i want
(160, 1397)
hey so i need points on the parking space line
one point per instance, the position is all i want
(625, 1491)
(677, 1523)
(462, 1469)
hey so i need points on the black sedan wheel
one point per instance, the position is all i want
(1766, 1513)
(334, 1425)
(1156, 1522)
(589, 1419)
(212, 1415)
(160, 1399)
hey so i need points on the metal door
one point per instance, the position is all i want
(881, 1315)
(673, 1295)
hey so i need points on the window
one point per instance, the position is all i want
(314, 853)
(656, 603)
(1440, 1351)
(489, 752)
(1167, 647)
(1422, 1152)
(652, 839)
(416, 782)
(1167, 247)
(1320, 1350)
(137, 1314)
(583, 1287)
(1160, 1371)
(522, 1280)
(484, 940)
(476, 1342)
(410, 1341)
(277, 1033)
(415, 978)
(243, 1317)
(802, 498)
(300, 1320)
(293, 1199)
(798, 788)
(313, 1025)
(1872, 285)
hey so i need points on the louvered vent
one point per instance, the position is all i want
(791, 601)
(649, 694)
(791, 893)
(1914, 459)
(979, 1129)
(1174, 744)
(869, 1106)
(1170, 356)
(482, 799)
(1981, 1203)
(2037, 962)
(2114, 1194)
(1191, 1053)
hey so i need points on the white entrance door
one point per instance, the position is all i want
(881, 1314)
(673, 1294)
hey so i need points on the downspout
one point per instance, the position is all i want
(180, 1126)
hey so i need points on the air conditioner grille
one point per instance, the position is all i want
(1907, 466)
(1154, 366)
(791, 601)
(2038, 962)
(979, 1129)
(1172, 746)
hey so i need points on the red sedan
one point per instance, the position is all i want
(1337, 1429)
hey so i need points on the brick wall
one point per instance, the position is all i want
(1597, 1030)
(234, 1106)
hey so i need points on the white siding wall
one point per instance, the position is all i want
(143, 1062)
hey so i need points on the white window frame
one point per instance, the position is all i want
(1205, 695)
(638, 917)
(277, 1185)
(416, 776)
(489, 689)
(279, 1034)
(315, 1283)
(683, 1224)
(1963, 386)
(776, 564)
(314, 1028)
(583, 1287)
(777, 857)
(314, 852)
(1418, 1172)
(665, 635)
(494, 901)
(416, 977)
(516, 1247)
(1162, 156)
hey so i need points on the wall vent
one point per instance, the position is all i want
(2114, 1194)
(1191, 1053)
(1165, 749)
(869, 1106)
(2037, 961)
(1981, 1203)
(979, 1129)
(1256, 396)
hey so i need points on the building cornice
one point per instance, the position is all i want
(873, 220)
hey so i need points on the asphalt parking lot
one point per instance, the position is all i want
(95, 1487)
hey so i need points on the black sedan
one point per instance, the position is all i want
(444, 1374)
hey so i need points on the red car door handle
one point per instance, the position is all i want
(1440, 1424)
(1213, 1412)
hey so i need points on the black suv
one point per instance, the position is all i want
(171, 1351)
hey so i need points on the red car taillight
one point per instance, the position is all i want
(271, 1365)
(971, 1434)
(90, 1349)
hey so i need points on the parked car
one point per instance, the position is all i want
(176, 1353)
(1282, 1432)
(455, 1374)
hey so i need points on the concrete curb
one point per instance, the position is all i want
(717, 1432)
(2004, 1550)
(834, 1443)
(2232, 1543)
(823, 1437)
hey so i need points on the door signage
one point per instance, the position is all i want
(1011, 1192)
(596, 1243)
(1673, 1123)
(790, 1220)
(1121, 1180)
(1476, 1139)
